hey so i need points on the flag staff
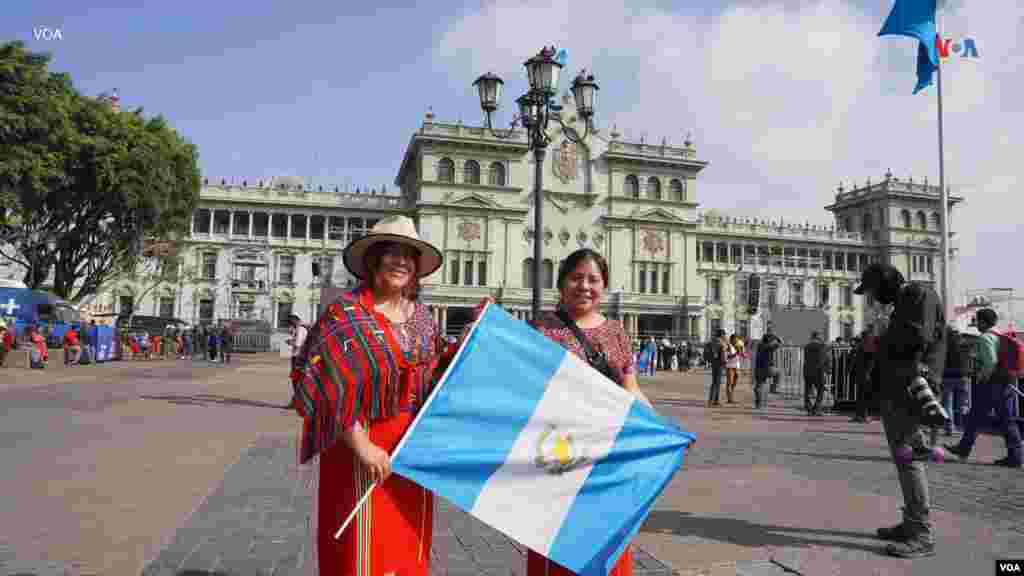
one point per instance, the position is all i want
(943, 192)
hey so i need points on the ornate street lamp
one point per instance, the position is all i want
(535, 111)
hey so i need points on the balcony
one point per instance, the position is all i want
(246, 285)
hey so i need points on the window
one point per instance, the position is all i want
(664, 282)
(654, 280)
(790, 256)
(653, 188)
(279, 225)
(743, 329)
(206, 309)
(210, 266)
(260, 224)
(453, 264)
(246, 310)
(862, 262)
(936, 220)
(773, 294)
(777, 256)
(316, 227)
(716, 290)
(336, 229)
(823, 293)
(796, 294)
(676, 190)
(847, 331)
(742, 284)
(549, 274)
(643, 279)
(851, 262)
(715, 324)
(840, 259)
(905, 218)
(632, 186)
(127, 305)
(284, 310)
(496, 176)
(286, 269)
(929, 262)
(298, 226)
(446, 170)
(167, 307)
(326, 265)
(848, 296)
(481, 275)
(750, 255)
(709, 252)
(471, 172)
(240, 224)
(468, 278)
(867, 223)
(801, 257)
(735, 254)
(723, 252)
(922, 220)
(201, 221)
(914, 268)
(221, 220)
(245, 272)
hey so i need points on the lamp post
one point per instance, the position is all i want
(536, 110)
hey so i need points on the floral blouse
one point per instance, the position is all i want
(609, 337)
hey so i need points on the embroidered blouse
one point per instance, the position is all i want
(609, 337)
(358, 366)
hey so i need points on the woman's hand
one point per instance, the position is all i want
(371, 456)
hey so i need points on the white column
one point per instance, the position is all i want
(288, 229)
(308, 222)
(212, 212)
(231, 223)
(252, 224)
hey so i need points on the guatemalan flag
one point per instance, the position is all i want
(533, 441)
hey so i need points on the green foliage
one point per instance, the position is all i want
(83, 185)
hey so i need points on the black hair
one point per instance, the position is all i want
(987, 316)
(574, 260)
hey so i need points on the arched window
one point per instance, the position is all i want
(528, 273)
(496, 177)
(922, 220)
(653, 188)
(676, 189)
(446, 170)
(936, 220)
(549, 274)
(632, 186)
(471, 172)
(867, 223)
(905, 218)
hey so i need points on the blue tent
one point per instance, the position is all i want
(22, 307)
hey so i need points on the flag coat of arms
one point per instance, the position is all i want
(531, 440)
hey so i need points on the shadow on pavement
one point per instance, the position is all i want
(205, 399)
(861, 431)
(850, 457)
(201, 573)
(744, 533)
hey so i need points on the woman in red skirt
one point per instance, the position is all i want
(365, 369)
(582, 280)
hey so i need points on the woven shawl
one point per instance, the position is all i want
(349, 371)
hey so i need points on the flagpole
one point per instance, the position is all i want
(415, 421)
(943, 192)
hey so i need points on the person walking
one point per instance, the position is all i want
(6, 342)
(297, 333)
(816, 364)
(956, 382)
(865, 376)
(733, 356)
(579, 327)
(651, 350)
(213, 343)
(764, 367)
(993, 389)
(912, 348)
(227, 343)
(718, 350)
(365, 369)
(772, 343)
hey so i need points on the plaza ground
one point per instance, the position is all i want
(174, 467)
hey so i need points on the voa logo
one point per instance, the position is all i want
(1008, 567)
(48, 34)
(966, 48)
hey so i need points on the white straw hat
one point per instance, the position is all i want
(398, 229)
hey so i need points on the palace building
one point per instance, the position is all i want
(675, 270)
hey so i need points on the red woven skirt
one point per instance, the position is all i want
(393, 531)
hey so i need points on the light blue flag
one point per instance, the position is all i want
(916, 19)
(531, 440)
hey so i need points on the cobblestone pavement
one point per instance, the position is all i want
(761, 495)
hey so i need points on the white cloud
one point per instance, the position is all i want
(786, 100)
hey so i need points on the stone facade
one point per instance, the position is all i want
(673, 270)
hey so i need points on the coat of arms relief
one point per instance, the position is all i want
(565, 162)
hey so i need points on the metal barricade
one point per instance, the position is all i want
(840, 384)
(252, 342)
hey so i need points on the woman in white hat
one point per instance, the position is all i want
(366, 367)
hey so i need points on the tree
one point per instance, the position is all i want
(161, 263)
(84, 184)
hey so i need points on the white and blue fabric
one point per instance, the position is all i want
(531, 440)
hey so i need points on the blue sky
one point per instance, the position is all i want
(784, 98)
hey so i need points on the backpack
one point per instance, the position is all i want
(1011, 354)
